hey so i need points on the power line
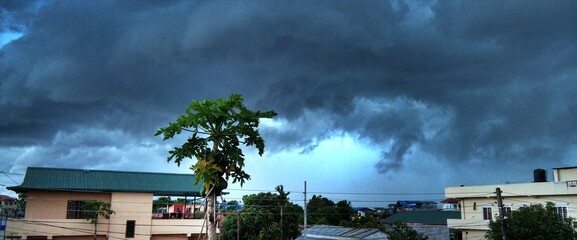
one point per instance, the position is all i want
(6, 174)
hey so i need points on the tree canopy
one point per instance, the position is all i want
(402, 231)
(534, 222)
(322, 210)
(265, 216)
(218, 128)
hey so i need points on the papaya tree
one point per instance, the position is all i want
(217, 129)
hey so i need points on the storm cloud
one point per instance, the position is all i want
(467, 82)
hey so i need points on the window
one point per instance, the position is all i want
(130, 225)
(523, 205)
(507, 210)
(561, 209)
(74, 210)
(487, 213)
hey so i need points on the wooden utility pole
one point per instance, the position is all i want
(502, 214)
(305, 226)
(281, 221)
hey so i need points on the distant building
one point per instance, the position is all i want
(451, 204)
(380, 210)
(432, 224)
(478, 203)
(363, 211)
(324, 232)
(7, 205)
(55, 197)
(402, 206)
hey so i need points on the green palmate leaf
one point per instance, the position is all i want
(219, 128)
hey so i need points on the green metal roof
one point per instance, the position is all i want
(62, 179)
(424, 217)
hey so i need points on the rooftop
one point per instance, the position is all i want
(64, 179)
(423, 217)
(335, 232)
(6, 198)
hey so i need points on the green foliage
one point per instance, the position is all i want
(401, 231)
(534, 222)
(21, 202)
(369, 221)
(218, 130)
(160, 203)
(94, 209)
(324, 211)
(265, 216)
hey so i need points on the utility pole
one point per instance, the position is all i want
(502, 214)
(281, 221)
(305, 226)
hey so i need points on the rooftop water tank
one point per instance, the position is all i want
(539, 175)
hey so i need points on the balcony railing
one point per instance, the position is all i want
(177, 215)
(473, 224)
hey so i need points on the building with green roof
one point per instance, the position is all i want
(55, 196)
(432, 224)
(63, 179)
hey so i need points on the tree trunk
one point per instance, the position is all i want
(95, 228)
(210, 211)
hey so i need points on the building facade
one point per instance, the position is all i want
(478, 204)
(8, 205)
(55, 197)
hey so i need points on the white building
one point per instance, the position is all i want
(7, 205)
(479, 203)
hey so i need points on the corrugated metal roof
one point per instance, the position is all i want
(423, 217)
(63, 179)
(340, 232)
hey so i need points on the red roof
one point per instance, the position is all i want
(7, 198)
(451, 200)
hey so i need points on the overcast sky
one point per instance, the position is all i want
(382, 100)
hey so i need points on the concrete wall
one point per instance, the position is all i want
(176, 226)
(440, 232)
(473, 235)
(131, 206)
(564, 174)
(169, 237)
(51, 227)
(46, 218)
(78, 238)
(53, 204)
(474, 198)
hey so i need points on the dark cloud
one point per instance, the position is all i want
(461, 81)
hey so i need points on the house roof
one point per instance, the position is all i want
(363, 209)
(423, 217)
(63, 179)
(566, 167)
(7, 198)
(451, 200)
(414, 202)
